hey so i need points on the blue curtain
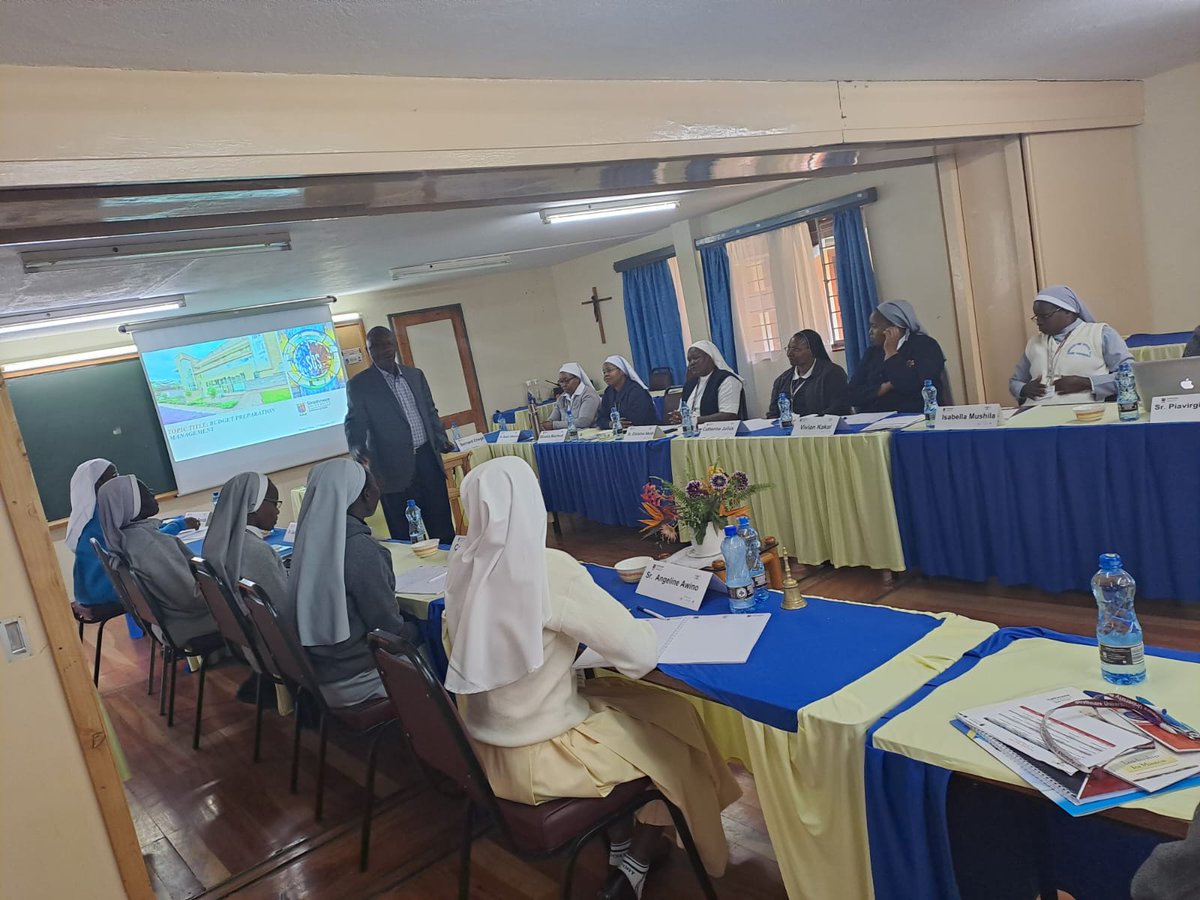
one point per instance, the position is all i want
(857, 292)
(715, 263)
(652, 316)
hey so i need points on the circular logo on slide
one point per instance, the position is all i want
(313, 359)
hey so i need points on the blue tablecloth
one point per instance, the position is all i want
(275, 539)
(601, 480)
(802, 656)
(906, 801)
(1038, 505)
(1158, 340)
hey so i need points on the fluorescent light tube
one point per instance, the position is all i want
(342, 318)
(114, 253)
(472, 263)
(66, 359)
(605, 210)
(47, 318)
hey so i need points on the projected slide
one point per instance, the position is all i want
(221, 395)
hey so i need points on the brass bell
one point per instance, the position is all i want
(793, 597)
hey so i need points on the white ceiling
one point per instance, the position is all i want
(614, 39)
(343, 256)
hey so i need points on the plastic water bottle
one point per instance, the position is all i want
(929, 395)
(1127, 393)
(615, 418)
(785, 411)
(216, 497)
(416, 525)
(572, 428)
(1118, 632)
(737, 573)
(685, 418)
(455, 433)
(758, 572)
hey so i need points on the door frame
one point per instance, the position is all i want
(454, 313)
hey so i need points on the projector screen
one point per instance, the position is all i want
(253, 393)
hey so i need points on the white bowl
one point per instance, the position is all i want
(630, 570)
(1088, 412)
(425, 548)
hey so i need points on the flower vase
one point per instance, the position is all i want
(710, 546)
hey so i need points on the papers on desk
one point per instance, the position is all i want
(200, 516)
(196, 534)
(895, 423)
(1111, 759)
(422, 580)
(757, 424)
(698, 640)
(289, 536)
(864, 418)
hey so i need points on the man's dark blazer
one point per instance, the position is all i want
(377, 429)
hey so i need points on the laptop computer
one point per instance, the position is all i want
(1167, 377)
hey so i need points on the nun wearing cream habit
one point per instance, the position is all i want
(579, 394)
(342, 586)
(516, 613)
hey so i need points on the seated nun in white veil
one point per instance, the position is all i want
(516, 613)
(342, 586)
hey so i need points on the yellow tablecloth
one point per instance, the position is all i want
(1025, 667)
(403, 559)
(831, 497)
(1161, 351)
(484, 452)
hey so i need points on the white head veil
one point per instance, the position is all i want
(577, 370)
(497, 592)
(83, 498)
(240, 495)
(317, 582)
(710, 348)
(627, 367)
(1064, 298)
(118, 503)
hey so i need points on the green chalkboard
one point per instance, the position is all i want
(73, 415)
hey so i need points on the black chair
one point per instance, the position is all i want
(661, 378)
(439, 740)
(370, 718)
(238, 631)
(671, 401)
(96, 614)
(109, 561)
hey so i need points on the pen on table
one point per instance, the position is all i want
(1182, 727)
(649, 612)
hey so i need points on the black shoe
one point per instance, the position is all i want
(248, 692)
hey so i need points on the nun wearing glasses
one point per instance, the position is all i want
(626, 393)
(235, 545)
(1073, 358)
(578, 394)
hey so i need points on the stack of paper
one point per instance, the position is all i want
(422, 580)
(895, 423)
(682, 640)
(1113, 755)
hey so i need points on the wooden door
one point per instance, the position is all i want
(435, 341)
(352, 339)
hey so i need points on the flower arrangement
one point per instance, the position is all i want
(694, 504)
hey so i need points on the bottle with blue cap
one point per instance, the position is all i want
(615, 418)
(785, 411)
(737, 573)
(687, 420)
(929, 395)
(416, 524)
(455, 434)
(572, 428)
(758, 572)
(1118, 632)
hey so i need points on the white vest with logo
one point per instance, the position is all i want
(1081, 353)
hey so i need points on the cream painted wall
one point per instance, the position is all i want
(1170, 187)
(53, 841)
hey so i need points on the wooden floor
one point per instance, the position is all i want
(213, 823)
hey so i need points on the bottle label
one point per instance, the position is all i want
(1129, 407)
(742, 592)
(1122, 656)
(760, 580)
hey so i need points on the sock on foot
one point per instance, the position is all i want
(635, 871)
(617, 851)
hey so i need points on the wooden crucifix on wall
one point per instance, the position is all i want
(594, 303)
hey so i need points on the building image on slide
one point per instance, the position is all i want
(238, 367)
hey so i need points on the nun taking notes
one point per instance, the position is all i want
(516, 613)
(901, 357)
(626, 393)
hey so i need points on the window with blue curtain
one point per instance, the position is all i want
(714, 262)
(652, 318)
(857, 291)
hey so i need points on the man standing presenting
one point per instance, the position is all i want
(392, 423)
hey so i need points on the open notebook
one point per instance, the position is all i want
(683, 640)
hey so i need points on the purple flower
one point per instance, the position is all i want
(719, 481)
(694, 489)
(741, 480)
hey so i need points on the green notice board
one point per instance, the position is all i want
(73, 415)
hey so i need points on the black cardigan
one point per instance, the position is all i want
(708, 402)
(921, 357)
(633, 402)
(826, 393)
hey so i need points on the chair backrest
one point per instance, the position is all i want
(108, 562)
(280, 640)
(233, 624)
(671, 401)
(432, 724)
(661, 378)
(144, 607)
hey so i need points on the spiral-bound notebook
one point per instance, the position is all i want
(695, 640)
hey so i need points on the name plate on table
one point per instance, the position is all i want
(459, 540)
(1175, 408)
(815, 426)
(960, 418)
(509, 437)
(679, 585)
(470, 442)
(756, 424)
(642, 433)
(719, 429)
(553, 436)
(290, 535)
